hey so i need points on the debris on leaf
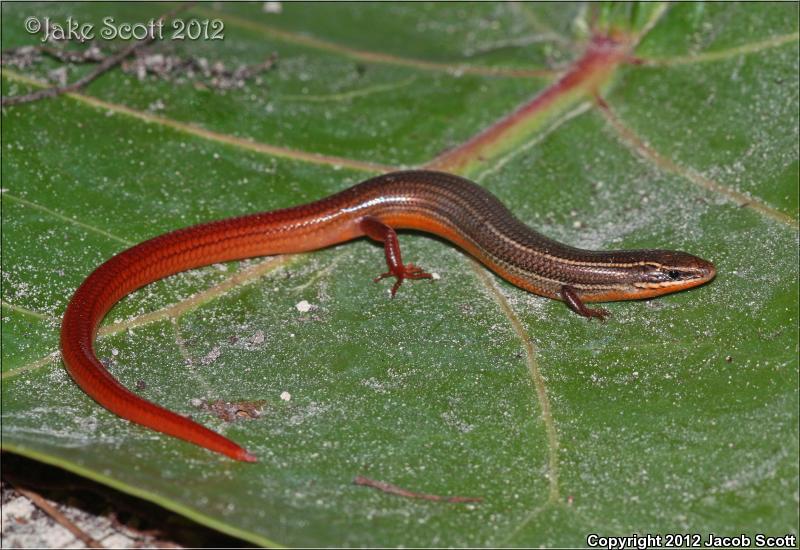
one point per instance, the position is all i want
(230, 411)
(304, 307)
(146, 62)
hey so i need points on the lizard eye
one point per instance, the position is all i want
(674, 274)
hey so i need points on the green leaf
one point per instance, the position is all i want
(677, 414)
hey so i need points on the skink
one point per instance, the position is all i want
(435, 202)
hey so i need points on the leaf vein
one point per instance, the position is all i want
(536, 377)
(173, 311)
(344, 96)
(28, 312)
(65, 218)
(371, 56)
(745, 49)
(227, 139)
(641, 148)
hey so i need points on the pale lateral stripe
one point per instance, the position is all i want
(522, 273)
(535, 251)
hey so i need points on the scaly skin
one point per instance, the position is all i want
(443, 204)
